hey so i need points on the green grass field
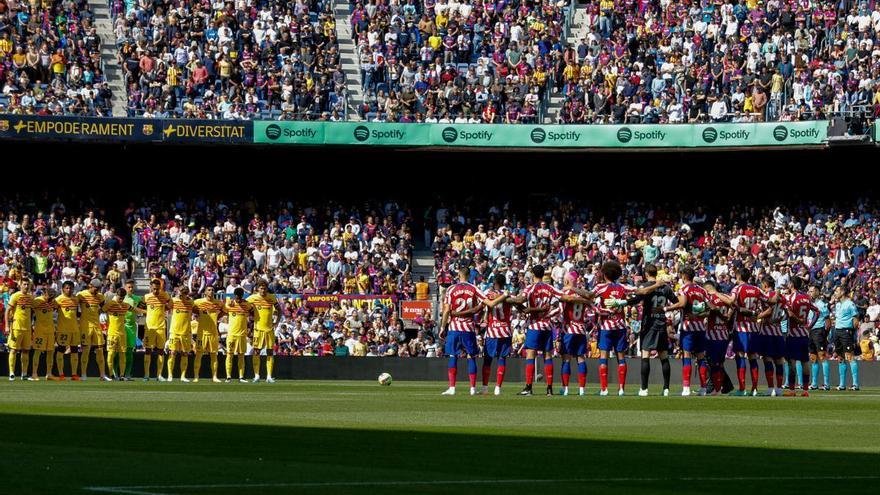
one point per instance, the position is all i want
(360, 438)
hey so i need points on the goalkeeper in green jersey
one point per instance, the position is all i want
(131, 327)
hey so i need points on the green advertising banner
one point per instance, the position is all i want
(542, 136)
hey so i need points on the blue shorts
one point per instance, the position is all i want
(745, 342)
(797, 348)
(457, 341)
(498, 348)
(772, 346)
(574, 344)
(693, 342)
(612, 340)
(539, 340)
(716, 351)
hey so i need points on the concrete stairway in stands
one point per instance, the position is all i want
(349, 58)
(577, 31)
(112, 70)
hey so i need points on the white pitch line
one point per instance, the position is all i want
(145, 489)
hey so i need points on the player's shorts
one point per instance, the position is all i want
(43, 341)
(68, 339)
(574, 344)
(498, 347)
(92, 337)
(772, 346)
(797, 348)
(456, 341)
(745, 342)
(117, 342)
(654, 338)
(693, 342)
(154, 339)
(843, 340)
(612, 340)
(716, 350)
(207, 342)
(539, 340)
(818, 340)
(20, 340)
(263, 340)
(180, 343)
(236, 344)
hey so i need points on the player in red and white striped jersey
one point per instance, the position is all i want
(610, 300)
(746, 301)
(717, 335)
(692, 301)
(540, 299)
(799, 307)
(572, 339)
(498, 338)
(772, 347)
(461, 302)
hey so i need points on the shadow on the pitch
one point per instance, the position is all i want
(52, 454)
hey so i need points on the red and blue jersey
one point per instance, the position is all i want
(691, 322)
(801, 306)
(772, 325)
(747, 298)
(574, 315)
(716, 326)
(499, 318)
(462, 297)
(611, 318)
(541, 295)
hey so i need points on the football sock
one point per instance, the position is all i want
(197, 364)
(582, 374)
(603, 373)
(148, 359)
(35, 363)
(84, 361)
(499, 374)
(129, 361)
(704, 372)
(229, 358)
(450, 370)
(621, 372)
(111, 356)
(487, 370)
(74, 363)
(530, 371)
(25, 361)
(566, 372)
(646, 372)
(99, 358)
(841, 371)
(667, 372)
(814, 368)
(741, 372)
(780, 376)
(686, 372)
(241, 365)
(768, 372)
(184, 364)
(214, 364)
(548, 371)
(270, 364)
(256, 362)
(854, 370)
(160, 365)
(122, 362)
(171, 359)
(59, 362)
(717, 380)
(826, 372)
(472, 371)
(11, 362)
(753, 368)
(799, 373)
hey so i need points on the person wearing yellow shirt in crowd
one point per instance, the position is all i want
(363, 282)
(90, 302)
(181, 332)
(435, 41)
(19, 321)
(158, 304)
(236, 339)
(44, 334)
(68, 339)
(422, 289)
(208, 337)
(267, 313)
(117, 342)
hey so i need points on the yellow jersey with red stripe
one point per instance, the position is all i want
(90, 310)
(181, 316)
(21, 315)
(265, 311)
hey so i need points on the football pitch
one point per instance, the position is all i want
(361, 438)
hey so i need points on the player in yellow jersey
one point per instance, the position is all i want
(266, 316)
(158, 304)
(19, 321)
(207, 337)
(117, 343)
(90, 302)
(68, 339)
(44, 333)
(236, 339)
(181, 332)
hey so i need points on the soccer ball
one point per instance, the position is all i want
(698, 307)
(385, 379)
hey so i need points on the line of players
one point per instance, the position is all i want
(752, 316)
(69, 325)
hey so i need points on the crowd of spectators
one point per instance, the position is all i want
(50, 59)
(721, 61)
(230, 59)
(826, 246)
